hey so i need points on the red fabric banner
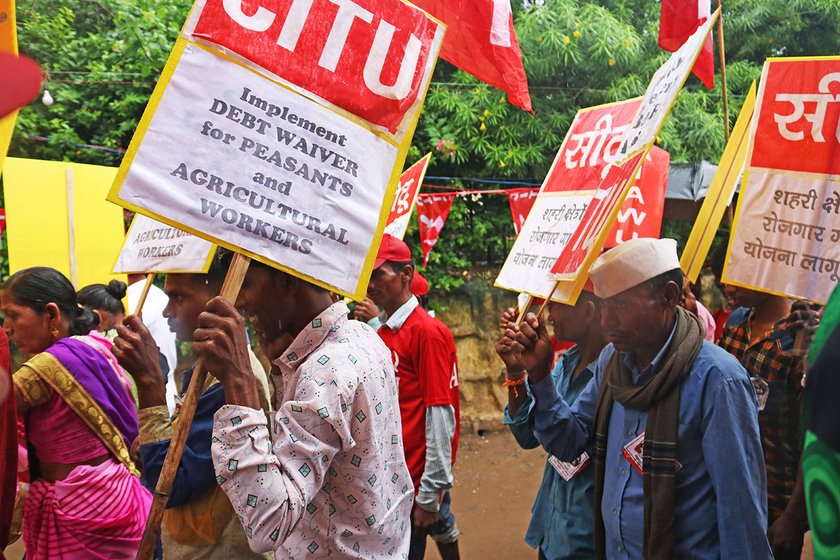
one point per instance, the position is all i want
(521, 201)
(480, 40)
(432, 211)
(367, 56)
(641, 213)
(678, 20)
(2, 220)
(405, 197)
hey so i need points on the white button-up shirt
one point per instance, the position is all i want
(331, 478)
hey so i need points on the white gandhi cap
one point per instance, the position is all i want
(632, 263)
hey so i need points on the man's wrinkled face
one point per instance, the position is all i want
(635, 318)
(188, 295)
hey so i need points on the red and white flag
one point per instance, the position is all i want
(432, 211)
(521, 201)
(678, 20)
(2, 220)
(481, 41)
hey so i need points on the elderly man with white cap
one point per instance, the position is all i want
(670, 420)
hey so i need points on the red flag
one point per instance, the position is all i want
(521, 201)
(641, 213)
(2, 220)
(432, 211)
(481, 41)
(678, 20)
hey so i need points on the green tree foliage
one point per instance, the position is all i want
(102, 59)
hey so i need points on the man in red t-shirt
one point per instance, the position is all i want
(423, 351)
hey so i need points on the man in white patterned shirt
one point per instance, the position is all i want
(330, 478)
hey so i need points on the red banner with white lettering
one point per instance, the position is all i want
(406, 196)
(641, 213)
(432, 211)
(592, 141)
(597, 215)
(677, 21)
(521, 201)
(368, 57)
(480, 40)
(799, 120)
(786, 237)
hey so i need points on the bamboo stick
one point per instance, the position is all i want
(722, 51)
(230, 291)
(138, 310)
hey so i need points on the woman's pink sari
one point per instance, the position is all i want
(96, 512)
(85, 412)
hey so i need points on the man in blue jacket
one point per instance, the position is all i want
(672, 420)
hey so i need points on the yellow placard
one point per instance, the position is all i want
(38, 223)
(720, 192)
(8, 44)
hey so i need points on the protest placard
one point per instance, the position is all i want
(406, 197)
(80, 237)
(564, 197)
(720, 193)
(257, 139)
(151, 246)
(583, 248)
(641, 213)
(786, 238)
(662, 92)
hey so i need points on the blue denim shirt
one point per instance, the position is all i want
(562, 515)
(720, 507)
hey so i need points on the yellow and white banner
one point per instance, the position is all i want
(786, 236)
(151, 246)
(266, 147)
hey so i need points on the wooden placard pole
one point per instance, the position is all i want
(138, 310)
(722, 53)
(542, 307)
(71, 227)
(546, 301)
(528, 301)
(723, 74)
(230, 291)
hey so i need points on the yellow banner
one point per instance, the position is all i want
(8, 44)
(720, 192)
(39, 225)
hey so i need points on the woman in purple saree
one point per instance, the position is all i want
(85, 500)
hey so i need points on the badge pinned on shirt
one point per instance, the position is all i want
(569, 470)
(633, 453)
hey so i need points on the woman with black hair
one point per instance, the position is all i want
(106, 303)
(85, 500)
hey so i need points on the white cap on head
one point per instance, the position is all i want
(632, 263)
